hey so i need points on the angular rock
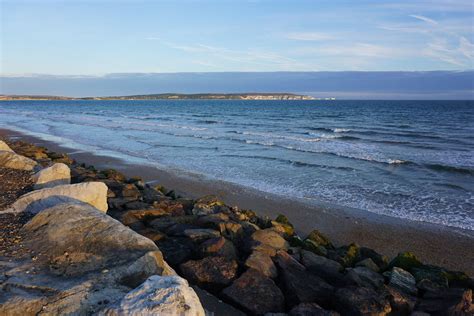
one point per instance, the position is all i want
(57, 174)
(403, 281)
(401, 303)
(200, 234)
(207, 205)
(93, 193)
(151, 195)
(319, 239)
(176, 250)
(367, 253)
(368, 263)
(211, 272)
(85, 261)
(447, 302)
(255, 293)
(152, 234)
(310, 309)
(325, 268)
(4, 146)
(300, 286)
(270, 238)
(213, 306)
(159, 295)
(405, 260)
(262, 263)
(11, 160)
(218, 247)
(361, 301)
(365, 277)
(130, 191)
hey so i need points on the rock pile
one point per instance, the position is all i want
(76, 260)
(257, 264)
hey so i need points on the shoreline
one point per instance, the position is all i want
(433, 244)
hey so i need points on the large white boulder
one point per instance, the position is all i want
(93, 193)
(85, 261)
(159, 295)
(10, 160)
(4, 146)
(57, 174)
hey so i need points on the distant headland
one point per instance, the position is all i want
(172, 96)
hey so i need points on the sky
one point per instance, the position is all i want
(94, 38)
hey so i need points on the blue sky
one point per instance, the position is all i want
(100, 37)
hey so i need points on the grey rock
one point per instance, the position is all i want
(255, 293)
(403, 280)
(262, 262)
(11, 160)
(365, 277)
(159, 295)
(57, 174)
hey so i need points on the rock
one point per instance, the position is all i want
(130, 217)
(215, 306)
(200, 234)
(152, 234)
(365, 277)
(4, 146)
(207, 205)
(319, 239)
(262, 263)
(303, 287)
(113, 175)
(93, 193)
(163, 223)
(130, 191)
(151, 195)
(136, 205)
(255, 293)
(214, 221)
(348, 255)
(159, 295)
(310, 309)
(57, 174)
(234, 231)
(361, 301)
(436, 275)
(218, 247)
(401, 303)
(405, 260)
(367, 253)
(286, 261)
(211, 272)
(10, 160)
(403, 281)
(60, 158)
(85, 261)
(176, 250)
(447, 302)
(327, 269)
(270, 238)
(368, 263)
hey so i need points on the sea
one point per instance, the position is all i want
(405, 159)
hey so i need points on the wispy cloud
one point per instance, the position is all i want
(441, 41)
(424, 18)
(309, 36)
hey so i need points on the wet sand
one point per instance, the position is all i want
(433, 244)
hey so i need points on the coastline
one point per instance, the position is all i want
(433, 244)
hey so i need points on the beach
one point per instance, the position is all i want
(433, 244)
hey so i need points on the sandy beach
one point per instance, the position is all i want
(433, 244)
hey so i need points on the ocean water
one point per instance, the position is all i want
(407, 159)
